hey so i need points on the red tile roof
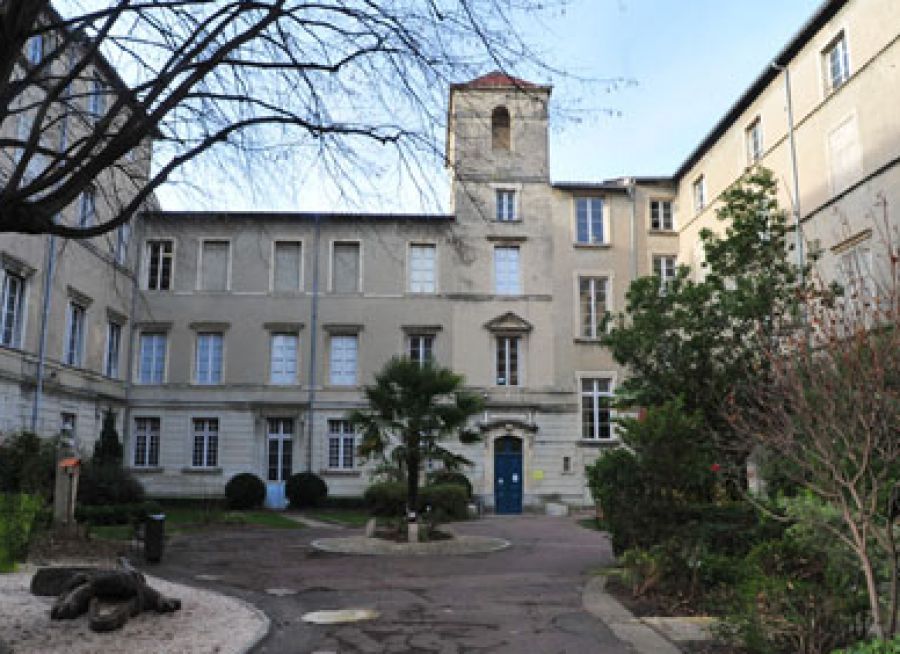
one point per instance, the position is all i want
(496, 79)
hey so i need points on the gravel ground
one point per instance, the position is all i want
(207, 623)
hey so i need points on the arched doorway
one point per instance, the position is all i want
(508, 477)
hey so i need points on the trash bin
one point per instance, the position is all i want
(154, 537)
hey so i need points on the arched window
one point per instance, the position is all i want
(500, 128)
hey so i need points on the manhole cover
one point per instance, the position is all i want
(339, 616)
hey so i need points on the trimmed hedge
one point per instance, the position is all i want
(441, 501)
(441, 477)
(245, 491)
(386, 499)
(305, 490)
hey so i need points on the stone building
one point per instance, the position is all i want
(248, 336)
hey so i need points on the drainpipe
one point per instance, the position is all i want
(42, 343)
(632, 195)
(795, 204)
(313, 336)
(137, 237)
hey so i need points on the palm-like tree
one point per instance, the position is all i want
(412, 408)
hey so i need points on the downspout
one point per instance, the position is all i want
(313, 336)
(632, 195)
(138, 239)
(42, 343)
(795, 201)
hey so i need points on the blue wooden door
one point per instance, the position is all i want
(508, 475)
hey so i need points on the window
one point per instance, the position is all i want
(113, 346)
(205, 452)
(661, 216)
(284, 359)
(596, 415)
(836, 63)
(123, 236)
(506, 205)
(589, 221)
(508, 360)
(34, 49)
(664, 267)
(67, 427)
(343, 360)
(287, 266)
(341, 445)
(421, 268)
(146, 442)
(500, 132)
(152, 362)
(88, 210)
(74, 349)
(281, 449)
(345, 268)
(699, 194)
(12, 310)
(214, 265)
(97, 98)
(754, 137)
(209, 358)
(592, 297)
(506, 270)
(159, 265)
(421, 348)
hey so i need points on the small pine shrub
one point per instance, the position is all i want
(305, 489)
(245, 491)
(108, 450)
(442, 477)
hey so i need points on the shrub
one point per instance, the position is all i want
(108, 484)
(108, 449)
(305, 489)
(442, 477)
(27, 464)
(18, 513)
(873, 647)
(245, 491)
(386, 499)
(442, 502)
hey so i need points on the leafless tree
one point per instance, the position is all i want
(242, 78)
(829, 409)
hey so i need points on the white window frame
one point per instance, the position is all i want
(68, 427)
(12, 320)
(76, 329)
(596, 313)
(163, 256)
(273, 276)
(840, 45)
(96, 101)
(87, 212)
(214, 367)
(158, 351)
(123, 237)
(202, 428)
(753, 138)
(278, 368)
(337, 377)
(146, 441)
(359, 249)
(698, 190)
(113, 349)
(416, 349)
(228, 262)
(660, 211)
(591, 236)
(504, 283)
(424, 286)
(507, 205)
(661, 270)
(341, 434)
(596, 397)
(35, 49)
(504, 345)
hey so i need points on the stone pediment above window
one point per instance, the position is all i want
(509, 322)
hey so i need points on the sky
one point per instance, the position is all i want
(685, 61)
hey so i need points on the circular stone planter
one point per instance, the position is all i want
(457, 545)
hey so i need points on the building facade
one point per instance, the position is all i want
(246, 337)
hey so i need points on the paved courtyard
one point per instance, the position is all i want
(527, 598)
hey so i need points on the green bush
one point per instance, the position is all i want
(18, 514)
(27, 464)
(245, 491)
(305, 489)
(441, 477)
(386, 499)
(443, 502)
(108, 449)
(101, 485)
(873, 647)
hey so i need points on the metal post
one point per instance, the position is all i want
(42, 344)
(313, 335)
